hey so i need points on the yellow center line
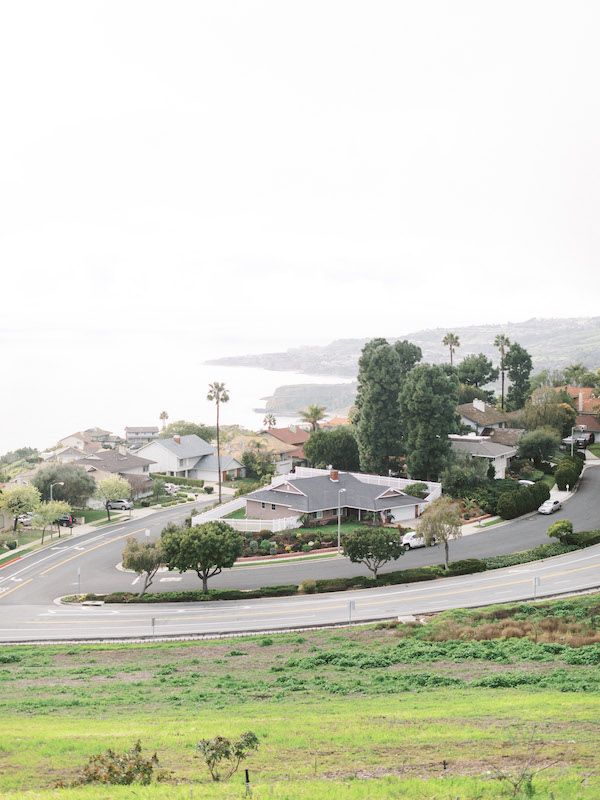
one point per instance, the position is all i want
(14, 589)
(89, 550)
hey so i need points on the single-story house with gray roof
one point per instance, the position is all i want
(499, 455)
(319, 496)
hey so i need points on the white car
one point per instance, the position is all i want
(25, 519)
(549, 507)
(412, 540)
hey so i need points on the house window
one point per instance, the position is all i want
(263, 505)
(272, 506)
(318, 515)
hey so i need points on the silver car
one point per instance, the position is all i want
(549, 507)
(120, 505)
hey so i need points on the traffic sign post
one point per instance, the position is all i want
(536, 585)
(351, 608)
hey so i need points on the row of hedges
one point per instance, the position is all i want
(179, 481)
(568, 471)
(467, 566)
(522, 500)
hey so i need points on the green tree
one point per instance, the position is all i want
(313, 415)
(547, 408)
(113, 488)
(502, 343)
(207, 549)
(163, 418)
(466, 394)
(158, 487)
(182, 427)
(258, 461)
(441, 522)
(451, 341)
(463, 475)
(218, 394)
(143, 558)
(17, 500)
(560, 530)
(269, 421)
(78, 485)
(373, 547)
(428, 410)
(539, 445)
(518, 364)
(547, 377)
(476, 370)
(580, 375)
(336, 447)
(223, 756)
(47, 514)
(382, 369)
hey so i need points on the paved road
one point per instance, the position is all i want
(29, 587)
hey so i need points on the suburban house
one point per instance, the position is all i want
(284, 455)
(64, 455)
(137, 436)
(296, 437)
(108, 463)
(90, 440)
(507, 436)
(334, 422)
(584, 398)
(589, 421)
(498, 455)
(190, 457)
(479, 415)
(316, 495)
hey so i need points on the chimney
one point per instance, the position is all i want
(334, 475)
(177, 438)
(581, 402)
(479, 405)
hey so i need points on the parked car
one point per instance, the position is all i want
(120, 505)
(65, 521)
(524, 482)
(549, 507)
(171, 488)
(25, 519)
(412, 540)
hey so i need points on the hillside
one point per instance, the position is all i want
(552, 343)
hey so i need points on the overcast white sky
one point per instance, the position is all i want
(258, 174)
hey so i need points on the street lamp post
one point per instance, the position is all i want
(339, 537)
(52, 485)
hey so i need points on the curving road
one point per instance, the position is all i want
(29, 587)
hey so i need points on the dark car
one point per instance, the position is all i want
(65, 521)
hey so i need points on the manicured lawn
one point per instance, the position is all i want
(595, 449)
(330, 530)
(239, 514)
(549, 481)
(361, 713)
(90, 514)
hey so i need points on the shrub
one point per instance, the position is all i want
(11, 544)
(307, 587)
(466, 566)
(223, 756)
(513, 503)
(144, 503)
(121, 769)
(583, 539)
(179, 481)
(418, 489)
(559, 530)
(209, 489)
(565, 476)
(507, 506)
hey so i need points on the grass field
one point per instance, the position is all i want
(595, 449)
(368, 712)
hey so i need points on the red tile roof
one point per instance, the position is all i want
(298, 437)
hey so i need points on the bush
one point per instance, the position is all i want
(145, 503)
(419, 489)
(121, 769)
(565, 476)
(583, 539)
(522, 500)
(307, 587)
(209, 489)
(559, 530)
(11, 544)
(466, 566)
(507, 506)
(179, 481)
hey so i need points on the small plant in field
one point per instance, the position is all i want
(121, 769)
(223, 756)
(520, 781)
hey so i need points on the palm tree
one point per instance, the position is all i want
(502, 342)
(313, 415)
(163, 417)
(451, 341)
(269, 421)
(217, 393)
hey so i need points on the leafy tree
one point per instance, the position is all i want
(313, 415)
(21, 454)
(19, 500)
(451, 341)
(336, 447)
(560, 530)
(373, 547)
(382, 369)
(463, 475)
(144, 558)
(218, 394)
(206, 548)
(258, 461)
(476, 370)
(163, 418)
(547, 377)
(428, 410)
(518, 364)
(539, 445)
(502, 342)
(182, 427)
(466, 394)
(441, 522)
(46, 514)
(223, 756)
(547, 408)
(113, 488)
(580, 375)
(158, 487)
(78, 485)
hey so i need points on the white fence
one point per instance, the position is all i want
(271, 525)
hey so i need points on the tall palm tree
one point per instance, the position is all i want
(451, 341)
(269, 421)
(217, 393)
(163, 417)
(313, 415)
(502, 342)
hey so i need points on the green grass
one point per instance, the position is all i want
(360, 713)
(490, 522)
(90, 514)
(239, 514)
(549, 480)
(595, 449)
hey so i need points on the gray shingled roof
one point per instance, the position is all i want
(321, 493)
(190, 446)
(113, 461)
(210, 463)
(491, 415)
(484, 449)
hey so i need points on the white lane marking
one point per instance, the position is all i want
(133, 583)
(79, 548)
(17, 580)
(163, 580)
